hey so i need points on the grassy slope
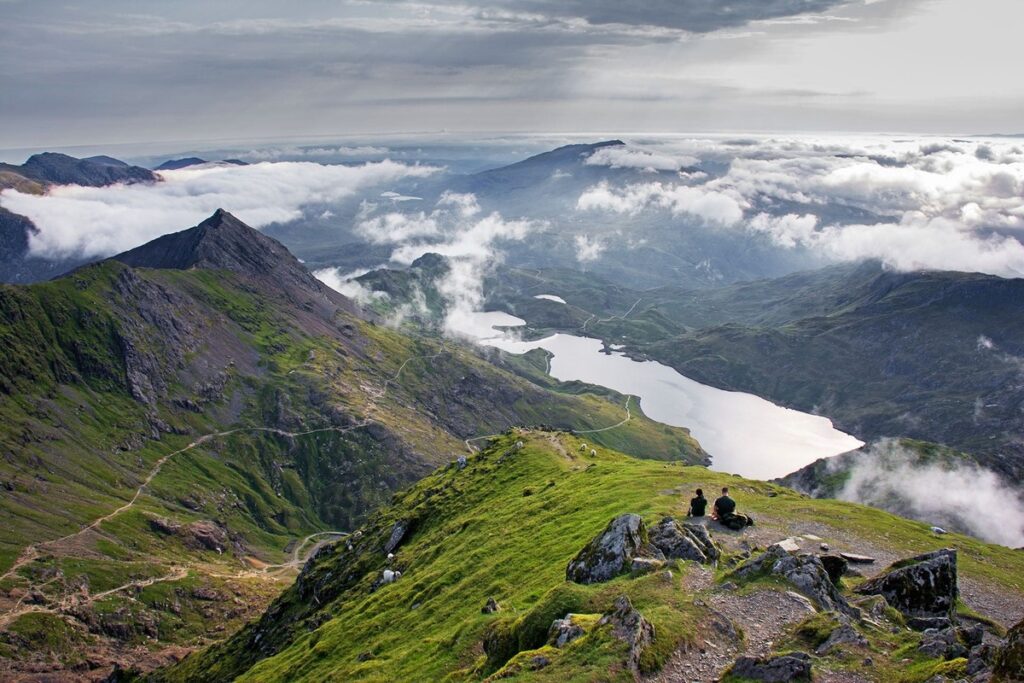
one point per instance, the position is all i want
(506, 527)
(72, 432)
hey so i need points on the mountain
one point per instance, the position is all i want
(35, 176)
(207, 414)
(175, 164)
(60, 169)
(485, 592)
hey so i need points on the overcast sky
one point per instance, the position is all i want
(119, 71)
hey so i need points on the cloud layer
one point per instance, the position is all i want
(960, 496)
(911, 203)
(96, 222)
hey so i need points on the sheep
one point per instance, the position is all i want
(583, 447)
(593, 453)
(390, 576)
(519, 445)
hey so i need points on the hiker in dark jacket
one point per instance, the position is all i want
(698, 505)
(725, 512)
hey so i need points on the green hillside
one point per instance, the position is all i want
(177, 441)
(505, 528)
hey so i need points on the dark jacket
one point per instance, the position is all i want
(697, 506)
(725, 506)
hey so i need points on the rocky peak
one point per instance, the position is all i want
(223, 242)
(61, 169)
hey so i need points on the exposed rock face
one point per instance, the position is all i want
(1009, 658)
(630, 626)
(490, 607)
(684, 541)
(564, 631)
(795, 666)
(805, 572)
(924, 586)
(398, 532)
(612, 552)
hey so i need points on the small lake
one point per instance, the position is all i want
(743, 433)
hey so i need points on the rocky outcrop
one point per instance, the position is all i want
(631, 627)
(564, 631)
(836, 567)
(686, 541)
(795, 666)
(398, 532)
(842, 635)
(612, 552)
(805, 572)
(922, 587)
(1009, 658)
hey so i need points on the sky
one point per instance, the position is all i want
(130, 71)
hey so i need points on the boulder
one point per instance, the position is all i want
(205, 534)
(490, 607)
(924, 586)
(1009, 657)
(631, 627)
(564, 631)
(611, 552)
(795, 666)
(686, 541)
(805, 573)
(843, 635)
(645, 565)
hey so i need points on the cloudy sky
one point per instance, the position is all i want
(113, 71)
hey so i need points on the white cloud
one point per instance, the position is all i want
(788, 230)
(628, 157)
(465, 203)
(392, 228)
(286, 153)
(588, 249)
(91, 221)
(954, 494)
(711, 206)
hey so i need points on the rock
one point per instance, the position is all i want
(971, 636)
(491, 607)
(938, 530)
(645, 565)
(686, 541)
(538, 662)
(921, 586)
(795, 666)
(873, 606)
(806, 573)
(564, 631)
(843, 635)
(163, 526)
(398, 531)
(980, 658)
(630, 626)
(835, 565)
(790, 545)
(929, 623)
(935, 643)
(205, 534)
(462, 462)
(825, 547)
(1009, 657)
(612, 551)
(854, 558)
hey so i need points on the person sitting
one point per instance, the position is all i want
(698, 505)
(725, 512)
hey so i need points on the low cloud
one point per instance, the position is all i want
(629, 157)
(97, 222)
(956, 495)
(588, 249)
(912, 203)
(709, 205)
(456, 230)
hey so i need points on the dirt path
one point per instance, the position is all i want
(583, 328)
(31, 552)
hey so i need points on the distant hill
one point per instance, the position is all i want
(61, 169)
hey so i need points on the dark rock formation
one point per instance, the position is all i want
(842, 635)
(795, 666)
(924, 586)
(805, 572)
(835, 565)
(612, 551)
(61, 169)
(684, 541)
(398, 532)
(490, 607)
(175, 164)
(1009, 658)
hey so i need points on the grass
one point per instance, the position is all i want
(476, 536)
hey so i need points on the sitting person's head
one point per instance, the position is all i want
(700, 493)
(725, 490)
